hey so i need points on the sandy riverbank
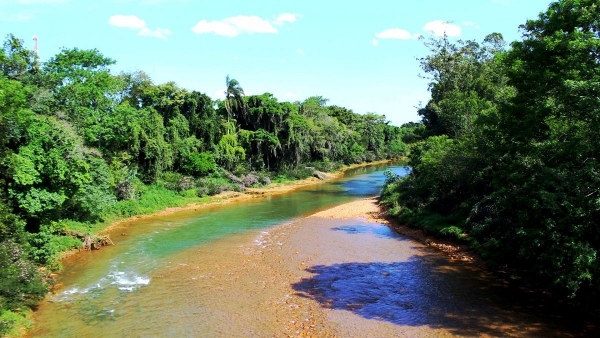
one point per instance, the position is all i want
(370, 210)
(337, 273)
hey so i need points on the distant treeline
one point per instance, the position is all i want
(79, 144)
(510, 163)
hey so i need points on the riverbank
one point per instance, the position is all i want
(370, 210)
(335, 273)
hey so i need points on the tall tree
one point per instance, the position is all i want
(234, 97)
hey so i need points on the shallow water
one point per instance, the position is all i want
(257, 268)
(94, 284)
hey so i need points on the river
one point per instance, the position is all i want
(261, 267)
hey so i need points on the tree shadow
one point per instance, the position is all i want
(375, 229)
(425, 291)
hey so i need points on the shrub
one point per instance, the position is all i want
(250, 180)
(233, 179)
(200, 164)
(21, 284)
(185, 183)
(326, 166)
(264, 179)
(202, 191)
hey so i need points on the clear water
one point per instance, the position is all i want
(95, 283)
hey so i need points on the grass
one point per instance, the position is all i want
(13, 324)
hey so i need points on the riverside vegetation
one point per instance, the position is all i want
(81, 147)
(509, 161)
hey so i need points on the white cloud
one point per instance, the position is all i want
(236, 25)
(135, 23)
(375, 42)
(250, 24)
(217, 27)
(439, 27)
(394, 33)
(285, 17)
(127, 21)
(300, 51)
(159, 33)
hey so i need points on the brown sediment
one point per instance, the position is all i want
(326, 275)
(334, 274)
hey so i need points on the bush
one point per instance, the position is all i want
(200, 164)
(264, 179)
(233, 179)
(326, 166)
(185, 183)
(21, 284)
(370, 157)
(215, 186)
(202, 191)
(49, 242)
(11, 323)
(176, 182)
(295, 174)
(250, 180)
(125, 190)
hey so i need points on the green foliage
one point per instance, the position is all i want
(325, 166)
(17, 62)
(51, 174)
(11, 322)
(21, 284)
(512, 164)
(227, 153)
(48, 242)
(200, 164)
(293, 174)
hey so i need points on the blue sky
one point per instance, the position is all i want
(358, 54)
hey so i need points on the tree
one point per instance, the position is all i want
(548, 171)
(234, 97)
(17, 62)
(84, 89)
(466, 81)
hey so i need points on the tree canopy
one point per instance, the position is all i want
(511, 161)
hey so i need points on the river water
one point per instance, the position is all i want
(261, 268)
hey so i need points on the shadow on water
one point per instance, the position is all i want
(379, 232)
(426, 291)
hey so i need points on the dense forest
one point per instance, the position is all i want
(80, 145)
(509, 161)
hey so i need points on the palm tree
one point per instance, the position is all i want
(234, 97)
